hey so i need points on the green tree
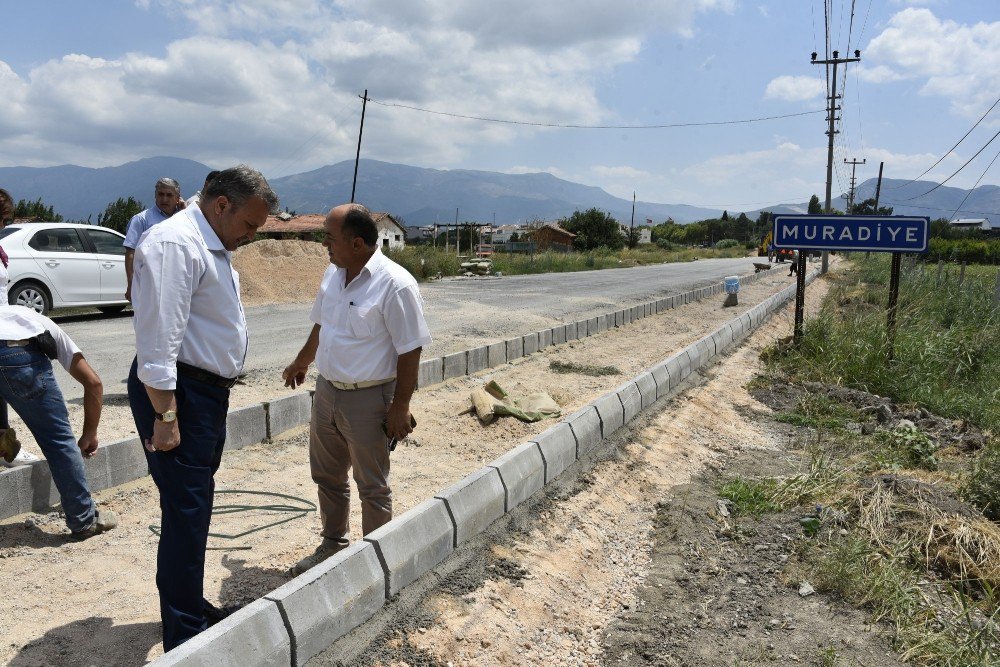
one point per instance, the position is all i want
(814, 206)
(118, 213)
(867, 207)
(725, 216)
(594, 228)
(36, 210)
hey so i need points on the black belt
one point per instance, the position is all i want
(201, 375)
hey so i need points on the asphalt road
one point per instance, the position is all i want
(457, 310)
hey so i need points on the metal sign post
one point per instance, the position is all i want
(890, 318)
(895, 234)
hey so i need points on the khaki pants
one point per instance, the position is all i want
(345, 432)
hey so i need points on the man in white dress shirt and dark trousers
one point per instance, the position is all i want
(368, 331)
(191, 342)
(168, 198)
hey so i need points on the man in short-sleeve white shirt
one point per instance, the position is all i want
(368, 331)
(168, 202)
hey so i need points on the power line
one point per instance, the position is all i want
(934, 208)
(952, 148)
(506, 121)
(960, 168)
(967, 194)
(850, 30)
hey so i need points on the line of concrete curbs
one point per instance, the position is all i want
(30, 488)
(308, 614)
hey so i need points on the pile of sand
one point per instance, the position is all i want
(274, 271)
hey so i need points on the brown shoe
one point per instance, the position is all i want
(328, 548)
(9, 445)
(103, 522)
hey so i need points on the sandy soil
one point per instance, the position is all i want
(95, 602)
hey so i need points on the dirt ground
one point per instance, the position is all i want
(631, 567)
(95, 602)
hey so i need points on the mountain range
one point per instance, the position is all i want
(422, 196)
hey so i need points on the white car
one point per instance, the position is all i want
(65, 265)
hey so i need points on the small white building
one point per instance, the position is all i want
(980, 224)
(391, 234)
(644, 233)
(503, 233)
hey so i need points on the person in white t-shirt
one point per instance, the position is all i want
(28, 341)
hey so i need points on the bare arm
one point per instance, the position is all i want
(93, 399)
(398, 424)
(295, 374)
(129, 258)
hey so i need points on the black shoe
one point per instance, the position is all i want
(215, 614)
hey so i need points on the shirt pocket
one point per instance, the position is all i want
(358, 319)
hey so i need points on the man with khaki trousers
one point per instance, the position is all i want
(368, 331)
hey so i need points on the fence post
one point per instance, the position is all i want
(937, 281)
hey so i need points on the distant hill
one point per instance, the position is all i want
(422, 196)
(79, 192)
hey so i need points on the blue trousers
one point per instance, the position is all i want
(185, 479)
(28, 385)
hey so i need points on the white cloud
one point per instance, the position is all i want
(878, 74)
(795, 88)
(959, 61)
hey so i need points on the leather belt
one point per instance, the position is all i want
(201, 375)
(16, 343)
(351, 386)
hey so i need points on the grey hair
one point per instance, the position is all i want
(240, 184)
(168, 183)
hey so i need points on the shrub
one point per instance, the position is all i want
(727, 243)
(982, 487)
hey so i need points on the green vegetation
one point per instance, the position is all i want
(118, 213)
(36, 210)
(583, 369)
(594, 229)
(818, 411)
(981, 251)
(947, 351)
(750, 497)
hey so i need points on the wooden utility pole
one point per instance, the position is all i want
(850, 193)
(832, 110)
(357, 156)
(631, 233)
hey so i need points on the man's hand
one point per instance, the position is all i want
(295, 374)
(87, 445)
(166, 436)
(398, 421)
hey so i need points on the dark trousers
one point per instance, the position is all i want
(184, 477)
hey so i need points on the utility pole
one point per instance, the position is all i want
(631, 234)
(850, 193)
(357, 156)
(458, 235)
(832, 110)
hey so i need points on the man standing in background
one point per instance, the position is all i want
(191, 343)
(168, 202)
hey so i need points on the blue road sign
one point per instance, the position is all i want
(851, 232)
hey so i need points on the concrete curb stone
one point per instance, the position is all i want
(586, 426)
(529, 343)
(496, 354)
(612, 413)
(559, 335)
(558, 447)
(328, 601)
(662, 379)
(254, 635)
(647, 389)
(544, 339)
(522, 471)
(456, 365)
(478, 359)
(631, 400)
(571, 331)
(515, 348)
(413, 544)
(474, 503)
(287, 412)
(245, 426)
(431, 371)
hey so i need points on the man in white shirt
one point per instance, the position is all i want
(191, 342)
(27, 341)
(368, 331)
(196, 197)
(168, 202)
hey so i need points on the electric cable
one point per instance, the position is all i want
(296, 512)
(573, 126)
(952, 148)
(959, 169)
(969, 192)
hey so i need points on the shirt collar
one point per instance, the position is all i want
(212, 241)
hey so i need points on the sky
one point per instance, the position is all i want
(277, 84)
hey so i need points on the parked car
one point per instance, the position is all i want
(65, 265)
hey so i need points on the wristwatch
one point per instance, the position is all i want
(168, 416)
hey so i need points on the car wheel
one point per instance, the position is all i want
(31, 295)
(111, 310)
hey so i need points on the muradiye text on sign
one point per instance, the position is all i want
(851, 232)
